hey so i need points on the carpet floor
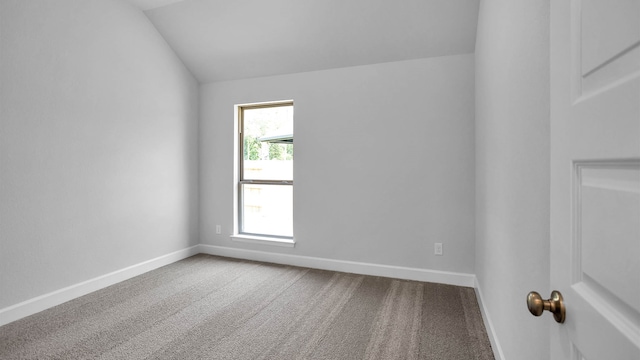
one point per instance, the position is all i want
(209, 307)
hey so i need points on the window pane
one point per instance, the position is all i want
(267, 209)
(268, 143)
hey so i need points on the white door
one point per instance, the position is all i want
(595, 178)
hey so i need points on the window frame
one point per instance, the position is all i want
(241, 235)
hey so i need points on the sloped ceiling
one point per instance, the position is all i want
(234, 39)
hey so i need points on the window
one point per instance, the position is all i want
(265, 186)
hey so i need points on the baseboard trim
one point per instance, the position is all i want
(493, 337)
(399, 272)
(43, 302)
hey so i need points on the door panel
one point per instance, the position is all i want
(608, 228)
(606, 44)
(605, 253)
(595, 177)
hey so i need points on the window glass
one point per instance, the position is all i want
(267, 209)
(268, 143)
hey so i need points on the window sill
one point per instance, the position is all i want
(263, 240)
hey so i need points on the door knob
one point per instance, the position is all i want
(555, 305)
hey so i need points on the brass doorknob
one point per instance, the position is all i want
(555, 305)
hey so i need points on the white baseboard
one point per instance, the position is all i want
(493, 338)
(399, 272)
(57, 297)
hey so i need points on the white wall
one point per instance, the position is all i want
(512, 177)
(384, 163)
(98, 144)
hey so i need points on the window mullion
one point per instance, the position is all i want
(267, 182)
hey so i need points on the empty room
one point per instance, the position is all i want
(320, 179)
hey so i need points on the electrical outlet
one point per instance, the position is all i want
(437, 248)
(218, 229)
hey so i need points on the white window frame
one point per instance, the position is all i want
(239, 236)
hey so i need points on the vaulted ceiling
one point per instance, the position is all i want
(234, 39)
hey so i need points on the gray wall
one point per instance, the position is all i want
(384, 163)
(98, 144)
(512, 170)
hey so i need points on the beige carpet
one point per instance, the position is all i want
(208, 307)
